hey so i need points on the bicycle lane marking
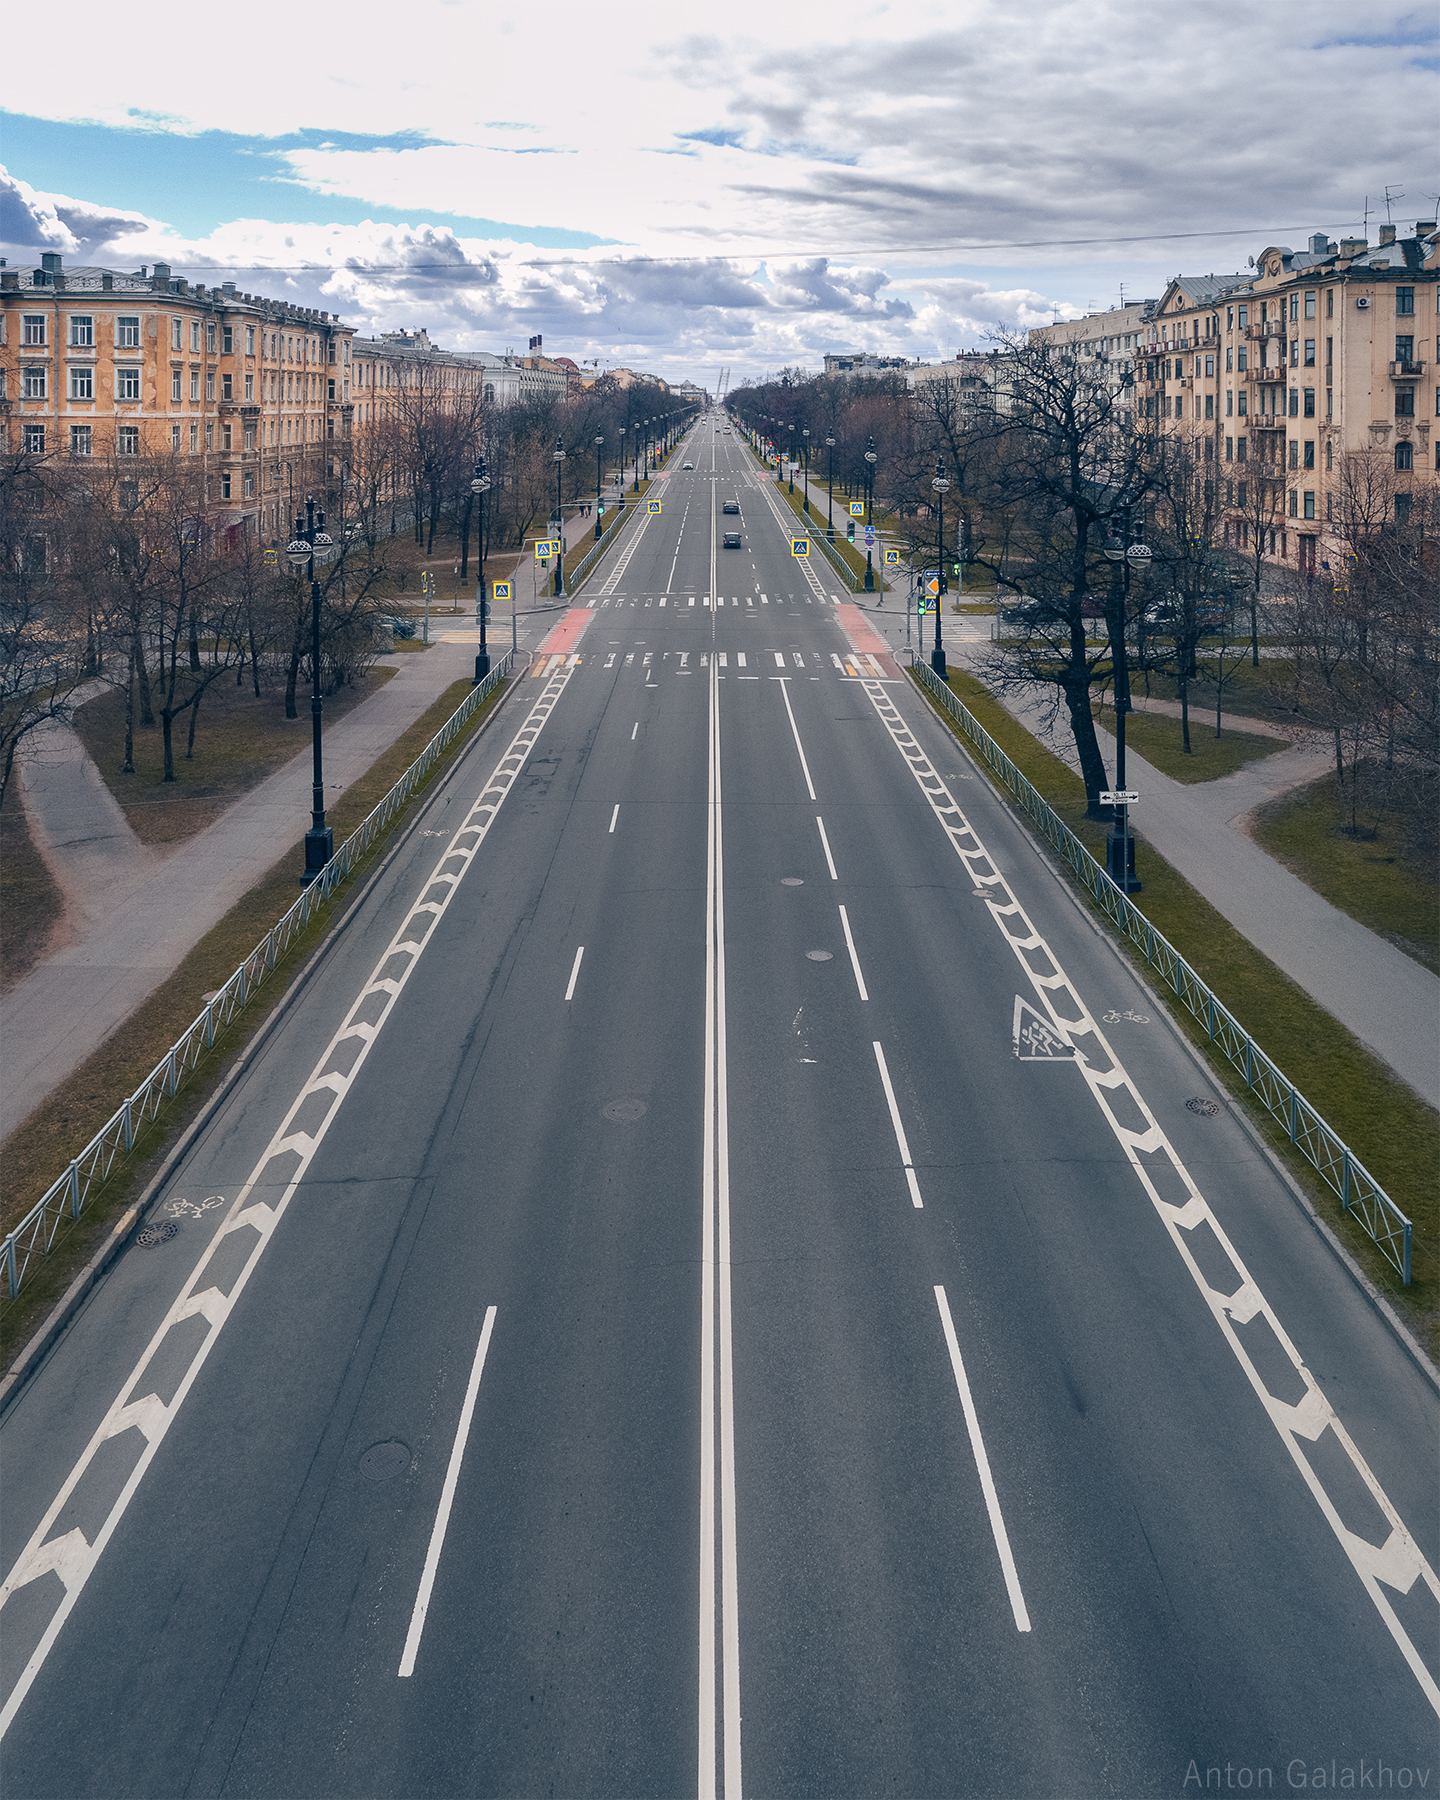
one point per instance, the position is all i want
(1399, 1561)
(287, 1157)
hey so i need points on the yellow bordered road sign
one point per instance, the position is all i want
(545, 548)
(892, 559)
(502, 590)
(654, 505)
(857, 509)
(800, 546)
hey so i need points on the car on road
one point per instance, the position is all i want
(687, 465)
(731, 506)
(731, 541)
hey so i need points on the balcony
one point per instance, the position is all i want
(1266, 328)
(1406, 371)
(1267, 421)
(1265, 377)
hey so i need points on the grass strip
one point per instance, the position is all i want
(1160, 741)
(40, 1148)
(1393, 1132)
(1372, 879)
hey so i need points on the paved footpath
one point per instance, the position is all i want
(1388, 1000)
(133, 914)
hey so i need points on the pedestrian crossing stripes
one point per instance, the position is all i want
(702, 601)
(851, 667)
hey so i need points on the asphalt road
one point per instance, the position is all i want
(717, 1286)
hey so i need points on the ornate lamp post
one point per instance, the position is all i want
(479, 487)
(1119, 845)
(939, 484)
(598, 442)
(805, 433)
(830, 488)
(622, 468)
(559, 523)
(312, 544)
(869, 510)
(791, 457)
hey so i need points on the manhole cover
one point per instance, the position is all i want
(819, 956)
(1207, 1109)
(157, 1234)
(383, 1462)
(623, 1112)
(791, 881)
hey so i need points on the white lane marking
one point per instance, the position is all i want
(1399, 1562)
(809, 784)
(982, 1463)
(854, 959)
(574, 973)
(899, 1129)
(447, 1496)
(740, 659)
(630, 549)
(764, 599)
(199, 1297)
(615, 815)
(634, 730)
(779, 659)
(825, 842)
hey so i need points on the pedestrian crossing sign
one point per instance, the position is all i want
(502, 590)
(654, 506)
(857, 509)
(545, 548)
(800, 546)
(925, 606)
(892, 559)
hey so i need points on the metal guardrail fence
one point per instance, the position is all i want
(1341, 1170)
(36, 1231)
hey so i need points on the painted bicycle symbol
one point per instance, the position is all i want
(1114, 1018)
(191, 1209)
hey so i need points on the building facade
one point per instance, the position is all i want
(1109, 342)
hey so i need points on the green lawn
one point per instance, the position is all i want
(1373, 881)
(1159, 739)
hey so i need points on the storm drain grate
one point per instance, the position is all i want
(156, 1234)
(1206, 1109)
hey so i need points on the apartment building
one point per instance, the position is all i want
(1108, 342)
(105, 362)
(1311, 357)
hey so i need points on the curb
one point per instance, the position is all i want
(1397, 1327)
(29, 1360)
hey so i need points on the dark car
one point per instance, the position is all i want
(731, 540)
(731, 506)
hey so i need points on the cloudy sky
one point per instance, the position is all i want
(685, 188)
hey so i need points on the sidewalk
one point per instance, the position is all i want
(134, 914)
(1389, 1001)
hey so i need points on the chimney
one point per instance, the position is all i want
(160, 281)
(1350, 248)
(1387, 235)
(9, 278)
(107, 283)
(1423, 227)
(228, 290)
(1319, 244)
(51, 262)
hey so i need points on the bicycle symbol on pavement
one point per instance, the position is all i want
(190, 1209)
(1114, 1018)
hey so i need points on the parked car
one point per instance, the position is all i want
(731, 506)
(731, 541)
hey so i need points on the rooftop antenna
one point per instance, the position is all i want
(1365, 220)
(1122, 296)
(1399, 194)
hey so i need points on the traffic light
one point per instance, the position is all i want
(600, 509)
(850, 531)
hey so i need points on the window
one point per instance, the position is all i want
(225, 485)
(1404, 456)
(1209, 366)
(1209, 406)
(227, 340)
(1405, 349)
(1229, 449)
(1294, 354)
(175, 378)
(1244, 317)
(129, 495)
(249, 387)
(331, 386)
(127, 440)
(1240, 493)
(127, 331)
(1229, 403)
(32, 330)
(1402, 509)
(1294, 453)
(1294, 306)
(1243, 405)
(79, 440)
(82, 331)
(1404, 402)
(1240, 450)
(195, 336)
(1309, 507)
(1242, 360)
(249, 340)
(1309, 408)
(1309, 453)
(1310, 303)
(1405, 302)
(1309, 353)
(1329, 455)
(34, 440)
(174, 437)
(1329, 353)
(127, 384)
(177, 339)
(209, 434)
(194, 384)
(249, 437)
(210, 338)
(226, 387)
(82, 383)
(247, 484)
(1294, 504)
(194, 438)
(34, 381)
(1329, 303)
(209, 384)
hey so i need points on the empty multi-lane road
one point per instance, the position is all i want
(722, 1281)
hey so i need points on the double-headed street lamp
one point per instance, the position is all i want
(559, 523)
(599, 441)
(830, 489)
(805, 433)
(479, 486)
(869, 511)
(939, 484)
(312, 545)
(1119, 845)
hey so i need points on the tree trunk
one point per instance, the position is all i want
(194, 642)
(1185, 714)
(147, 710)
(166, 718)
(128, 766)
(1087, 745)
(292, 674)
(465, 540)
(190, 741)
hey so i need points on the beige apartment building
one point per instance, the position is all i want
(1309, 358)
(101, 362)
(1109, 343)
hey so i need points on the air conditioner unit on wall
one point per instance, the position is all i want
(1362, 301)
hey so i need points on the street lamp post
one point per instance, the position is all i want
(559, 524)
(621, 481)
(478, 486)
(638, 434)
(791, 457)
(599, 441)
(830, 489)
(312, 544)
(869, 510)
(1119, 845)
(939, 484)
(805, 433)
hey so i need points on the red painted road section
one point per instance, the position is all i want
(566, 633)
(866, 640)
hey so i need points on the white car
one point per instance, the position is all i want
(687, 465)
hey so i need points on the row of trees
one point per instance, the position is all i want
(1047, 472)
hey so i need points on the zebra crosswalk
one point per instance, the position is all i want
(746, 665)
(702, 602)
